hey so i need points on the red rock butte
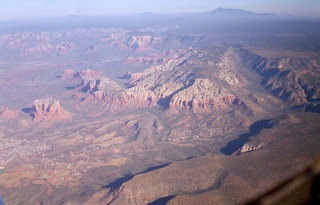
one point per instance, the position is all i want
(48, 109)
(67, 74)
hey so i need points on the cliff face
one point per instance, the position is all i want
(202, 94)
(48, 109)
(170, 85)
(67, 74)
(178, 84)
(125, 40)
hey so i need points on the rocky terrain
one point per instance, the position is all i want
(6, 113)
(47, 109)
(204, 180)
(139, 42)
(292, 79)
(143, 113)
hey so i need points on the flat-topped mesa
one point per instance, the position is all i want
(143, 42)
(67, 74)
(202, 94)
(86, 73)
(70, 73)
(48, 109)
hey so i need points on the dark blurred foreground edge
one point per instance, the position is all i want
(304, 188)
(1, 201)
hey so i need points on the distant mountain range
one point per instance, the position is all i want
(151, 18)
(219, 13)
(216, 12)
(237, 13)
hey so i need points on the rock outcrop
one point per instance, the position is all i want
(126, 40)
(86, 73)
(248, 147)
(67, 74)
(93, 81)
(288, 88)
(228, 62)
(202, 94)
(171, 85)
(176, 87)
(158, 75)
(144, 60)
(108, 91)
(7, 113)
(44, 48)
(295, 80)
(48, 109)
(135, 97)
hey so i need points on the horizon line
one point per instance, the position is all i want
(101, 15)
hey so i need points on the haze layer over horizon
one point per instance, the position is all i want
(43, 9)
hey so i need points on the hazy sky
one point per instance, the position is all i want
(17, 9)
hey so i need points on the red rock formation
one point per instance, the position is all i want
(39, 49)
(201, 94)
(87, 73)
(46, 47)
(124, 40)
(169, 85)
(67, 74)
(165, 70)
(63, 47)
(127, 75)
(136, 97)
(8, 114)
(143, 60)
(104, 89)
(48, 109)
(92, 84)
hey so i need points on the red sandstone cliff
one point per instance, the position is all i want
(48, 109)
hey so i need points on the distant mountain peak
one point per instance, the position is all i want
(230, 10)
(237, 12)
